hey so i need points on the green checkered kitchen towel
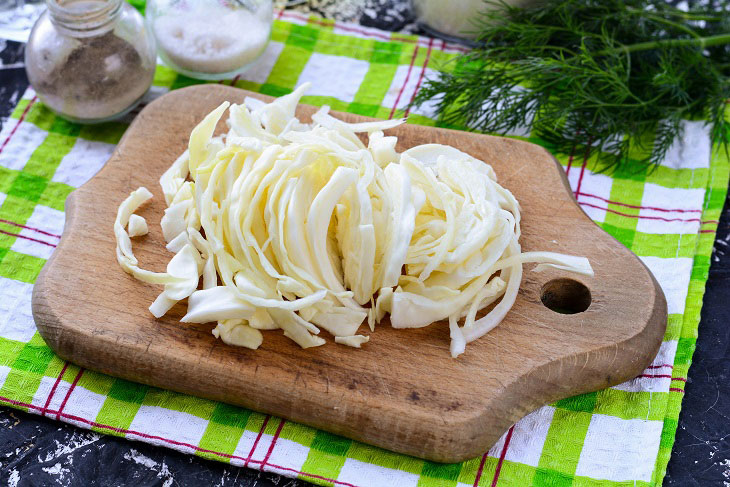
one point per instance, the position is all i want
(619, 436)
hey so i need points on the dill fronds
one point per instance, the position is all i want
(613, 77)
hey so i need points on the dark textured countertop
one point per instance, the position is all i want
(39, 451)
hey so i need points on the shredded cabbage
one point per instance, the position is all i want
(303, 227)
(137, 226)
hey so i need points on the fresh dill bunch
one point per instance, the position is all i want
(615, 77)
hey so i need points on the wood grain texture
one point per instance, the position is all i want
(402, 391)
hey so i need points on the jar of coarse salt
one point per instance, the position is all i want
(210, 39)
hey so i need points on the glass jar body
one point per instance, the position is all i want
(210, 39)
(90, 61)
(455, 19)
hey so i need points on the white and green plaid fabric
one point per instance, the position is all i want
(621, 436)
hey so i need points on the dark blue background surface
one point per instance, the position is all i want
(38, 451)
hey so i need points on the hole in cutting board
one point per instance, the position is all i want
(565, 296)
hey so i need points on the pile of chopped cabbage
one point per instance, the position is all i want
(302, 227)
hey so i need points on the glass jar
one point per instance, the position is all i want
(210, 39)
(90, 60)
(448, 20)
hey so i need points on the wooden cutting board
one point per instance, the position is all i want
(402, 391)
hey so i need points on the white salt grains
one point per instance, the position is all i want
(211, 38)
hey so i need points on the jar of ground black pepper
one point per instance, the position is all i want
(90, 60)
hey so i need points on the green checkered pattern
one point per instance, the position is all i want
(620, 436)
